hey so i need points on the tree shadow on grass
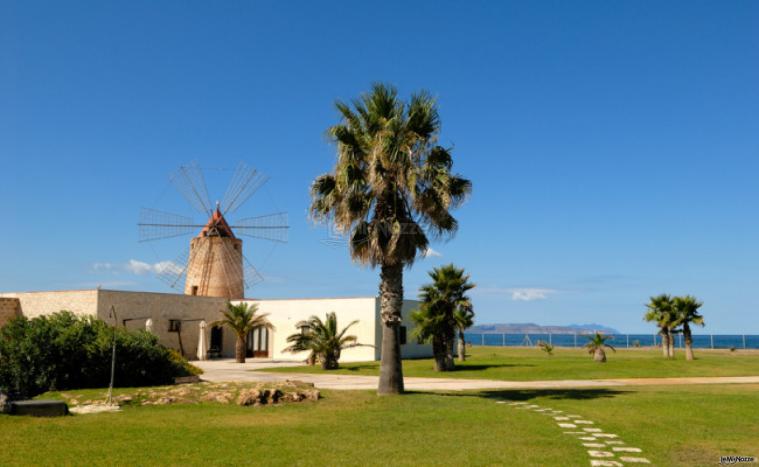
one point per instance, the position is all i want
(523, 395)
(553, 394)
(483, 367)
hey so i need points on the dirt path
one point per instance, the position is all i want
(226, 370)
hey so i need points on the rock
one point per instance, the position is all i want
(3, 403)
(164, 400)
(249, 397)
(312, 394)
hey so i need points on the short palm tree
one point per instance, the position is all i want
(686, 311)
(596, 345)
(241, 318)
(661, 311)
(436, 317)
(322, 340)
(392, 185)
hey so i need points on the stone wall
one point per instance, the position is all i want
(33, 304)
(9, 309)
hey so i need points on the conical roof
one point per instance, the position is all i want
(217, 226)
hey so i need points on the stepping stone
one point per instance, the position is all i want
(584, 422)
(567, 425)
(575, 433)
(600, 463)
(593, 453)
(615, 441)
(533, 406)
(574, 416)
(500, 402)
(625, 449)
(561, 418)
(541, 410)
(594, 445)
(606, 435)
(635, 460)
(588, 438)
(592, 430)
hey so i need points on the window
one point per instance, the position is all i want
(194, 290)
(402, 336)
(175, 325)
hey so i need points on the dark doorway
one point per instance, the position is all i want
(217, 342)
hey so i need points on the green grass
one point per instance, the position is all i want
(531, 364)
(682, 425)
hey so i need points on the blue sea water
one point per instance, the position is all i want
(700, 341)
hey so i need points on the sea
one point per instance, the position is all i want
(700, 341)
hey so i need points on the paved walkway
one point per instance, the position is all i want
(229, 371)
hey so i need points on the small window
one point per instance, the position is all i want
(402, 334)
(194, 290)
(175, 325)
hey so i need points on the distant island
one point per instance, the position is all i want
(532, 328)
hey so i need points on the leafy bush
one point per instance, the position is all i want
(64, 351)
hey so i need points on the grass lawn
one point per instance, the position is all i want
(683, 425)
(530, 364)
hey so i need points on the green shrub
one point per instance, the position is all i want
(64, 351)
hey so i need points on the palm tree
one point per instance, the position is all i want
(391, 186)
(322, 339)
(686, 310)
(464, 318)
(661, 311)
(242, 318)
(596, 345)
(436, 317)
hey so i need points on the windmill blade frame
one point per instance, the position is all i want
(273, 227)
(244, 184)
(158, 225)
(190, 182)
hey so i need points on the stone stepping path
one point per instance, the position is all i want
(604, 449)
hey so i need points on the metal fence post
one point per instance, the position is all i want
(628, 340)
(482, 336)
(575, 334)
(550, 340)
(503, 339)
(744, 341)
(711, 338)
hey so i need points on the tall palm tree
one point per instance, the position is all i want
(661, 311)
(686, 310)
(241, 319)
(464, 318)
(436, 317)
(596, 345)
(392, 185)
(322, 339)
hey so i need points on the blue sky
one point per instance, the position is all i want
(612, 145)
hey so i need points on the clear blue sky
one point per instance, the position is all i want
(613, 145)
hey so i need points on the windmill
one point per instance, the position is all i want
(214, 265)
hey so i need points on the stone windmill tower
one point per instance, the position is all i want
(214, 265)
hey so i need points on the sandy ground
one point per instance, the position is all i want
(229, 371)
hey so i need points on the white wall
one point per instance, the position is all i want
(284, 314)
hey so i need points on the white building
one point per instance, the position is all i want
(176, 319)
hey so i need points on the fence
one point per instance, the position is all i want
(700, 341)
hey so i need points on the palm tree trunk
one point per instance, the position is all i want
(391, 301)
(450, 342)
(688, 342)
(462, 347)
(671, 352)
(438, 352)
(599, 355)
(664, 343)
(240, 349)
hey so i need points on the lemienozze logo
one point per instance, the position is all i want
(729, 460)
